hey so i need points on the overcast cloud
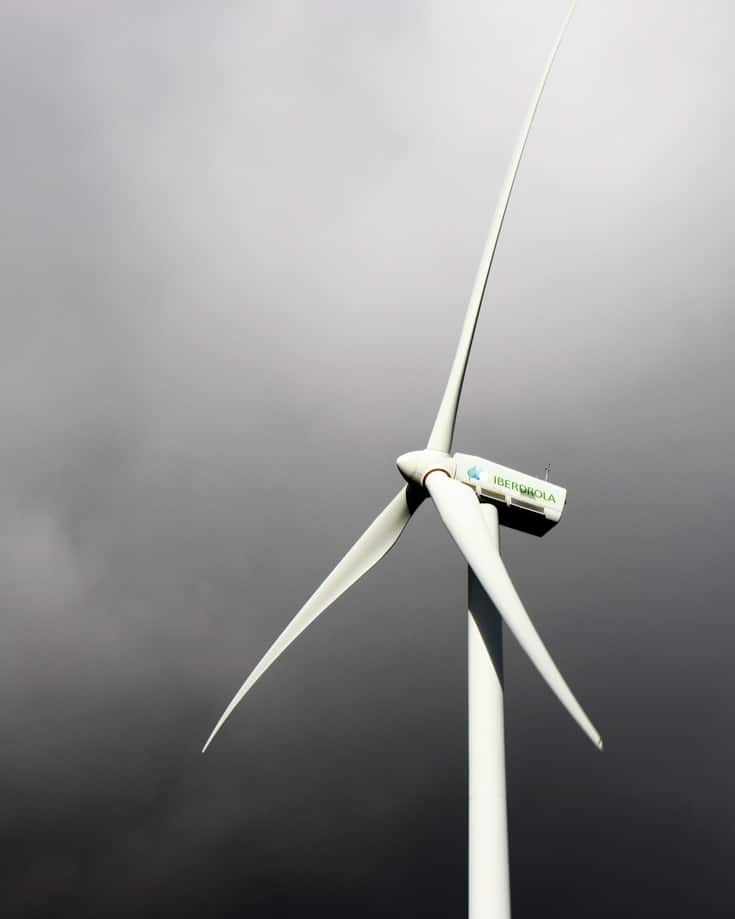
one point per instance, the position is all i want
(237, 245)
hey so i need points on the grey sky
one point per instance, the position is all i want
(237, 246)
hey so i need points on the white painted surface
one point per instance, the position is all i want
(488, 877)
(463, 517)
(443, 430)
(379, 537)
(510, 485)
(415, 466)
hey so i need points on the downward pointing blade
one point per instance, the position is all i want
(379, 537)
(460, 511)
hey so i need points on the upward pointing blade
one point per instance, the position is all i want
(379, 537)
(443, 430)
(460, 511)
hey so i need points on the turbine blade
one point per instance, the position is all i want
(379, 537)
(443, 430)
(460, 510)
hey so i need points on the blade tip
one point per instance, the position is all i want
(209, 740)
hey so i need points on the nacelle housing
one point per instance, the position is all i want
(524, 502)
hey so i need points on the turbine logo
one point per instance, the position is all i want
(475, 473)
(529, 490)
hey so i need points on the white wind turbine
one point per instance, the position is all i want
(474, 497)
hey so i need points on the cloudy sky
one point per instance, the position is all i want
(237, 242)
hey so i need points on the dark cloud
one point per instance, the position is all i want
(236, 249)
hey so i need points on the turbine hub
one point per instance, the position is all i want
(416, 465)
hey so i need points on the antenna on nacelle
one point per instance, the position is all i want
(547, 472)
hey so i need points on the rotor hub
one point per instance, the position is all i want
(416, 465)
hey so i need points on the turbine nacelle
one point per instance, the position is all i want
(524, 502)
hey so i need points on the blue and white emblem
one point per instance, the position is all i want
(474, 473)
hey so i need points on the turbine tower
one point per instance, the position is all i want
(474, 497)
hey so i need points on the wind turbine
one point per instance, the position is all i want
(474, 497)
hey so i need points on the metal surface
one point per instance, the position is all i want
(488, 876)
